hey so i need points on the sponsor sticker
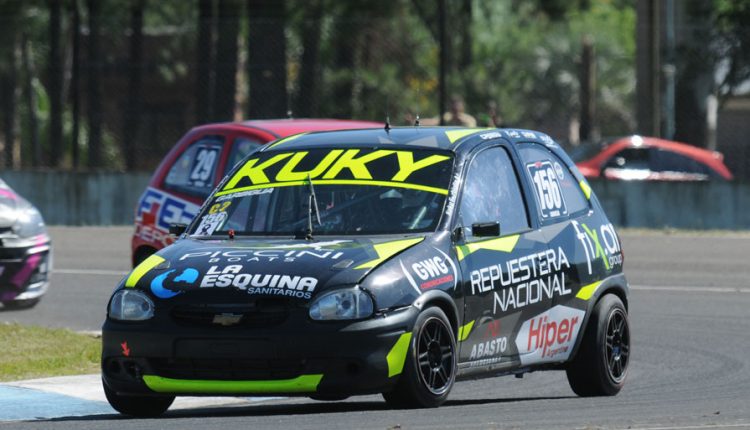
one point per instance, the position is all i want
(549, 336)
(406, 169)
(211, 222)
(430, 272)
(599, 243)
(266, 284)
(160, 209)
(523, 281)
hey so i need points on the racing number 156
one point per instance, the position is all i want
(547, 188)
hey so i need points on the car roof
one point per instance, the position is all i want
(290, 126)
(446, 138)
(713, 159)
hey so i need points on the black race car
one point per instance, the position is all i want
(392, 261)
(25, 251)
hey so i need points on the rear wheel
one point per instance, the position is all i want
(138, 406)
(430, 368)
(601, 365)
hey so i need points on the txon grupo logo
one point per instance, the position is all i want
(592, 241)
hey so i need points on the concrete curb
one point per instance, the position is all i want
(80, 395)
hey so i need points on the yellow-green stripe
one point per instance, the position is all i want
(587, 291)
(143, 268)
(435, 190)
(397, 355)
(464, 331)
(300, 384)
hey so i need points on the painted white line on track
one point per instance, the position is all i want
(90, 272)
(707, 426)
(687, 289)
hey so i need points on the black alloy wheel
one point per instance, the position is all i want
(601, 363)
(435, 356)
(617, 346)
(430, 367)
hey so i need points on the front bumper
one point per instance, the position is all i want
(24, 270)
(297, 357)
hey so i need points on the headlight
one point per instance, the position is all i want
(131, 305)
(29, 223)
(344, 304)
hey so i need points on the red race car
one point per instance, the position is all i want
(650, 158)
(196, 164)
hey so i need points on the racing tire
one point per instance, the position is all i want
(138, 406)
(430, 368)
(601, 364)
(21, 304)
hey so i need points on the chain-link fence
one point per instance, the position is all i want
(113, 84)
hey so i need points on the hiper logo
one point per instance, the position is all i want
(549, 336)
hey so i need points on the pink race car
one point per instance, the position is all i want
(25, 251)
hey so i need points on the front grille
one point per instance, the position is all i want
(264, 312)
(227, 368)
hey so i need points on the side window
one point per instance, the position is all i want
(557, 191)
(194, 171)
(491, 193)
(629, 158)
(668, 161)
(240, 148)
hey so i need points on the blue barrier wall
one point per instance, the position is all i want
(67, 198)
(690, 205)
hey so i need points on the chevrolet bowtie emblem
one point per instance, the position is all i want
(227, 319)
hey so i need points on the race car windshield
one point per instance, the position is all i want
(359, 191)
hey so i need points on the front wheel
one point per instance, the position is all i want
(138, 406)
(601, 364)
(430, 368)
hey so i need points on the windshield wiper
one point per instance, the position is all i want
(312, 202)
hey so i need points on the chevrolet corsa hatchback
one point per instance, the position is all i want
(377, 261)
(196, 164)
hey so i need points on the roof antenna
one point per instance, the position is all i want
(387, 116)
(419, 93)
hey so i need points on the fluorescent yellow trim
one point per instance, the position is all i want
(503, 244)
(387, 249)
(454, 135)
(587, 291)
(586, 189)
(143, 268)
(286, 139)
(464, 331)
(300, 384)
(397, 355)
(435, 190)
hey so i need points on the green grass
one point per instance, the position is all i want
(35, 352)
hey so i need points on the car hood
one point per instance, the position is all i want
(285, 267)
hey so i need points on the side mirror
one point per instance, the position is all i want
(484, 229)
(177, 229)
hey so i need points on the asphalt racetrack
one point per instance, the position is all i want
(690, 321)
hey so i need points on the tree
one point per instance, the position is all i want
(75, 79)
(267, 58)
(9, 16)
(55, 79)
(135, 67)
(94, 102)
(308, 95)
(225, 67)
(204, 54)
